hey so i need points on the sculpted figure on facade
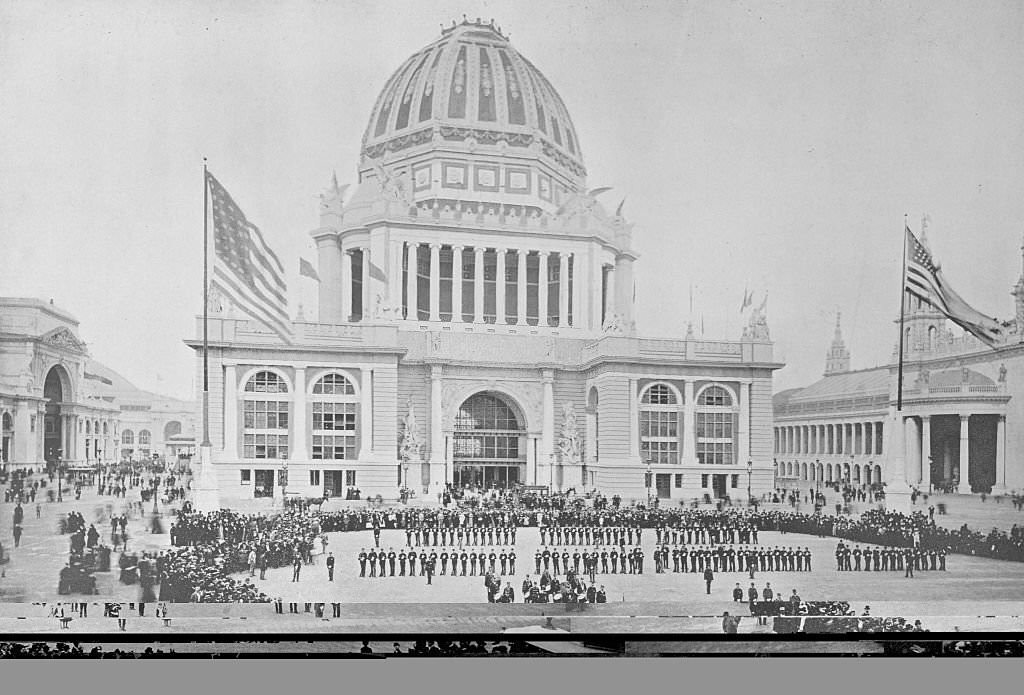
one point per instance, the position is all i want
(758, 325)
(613, 325)
(411, 446)
(393, 188)
(569, 437)
(1002, 373)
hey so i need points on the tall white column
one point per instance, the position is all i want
(412, 286)
(366, 415)
(744, 428)
(478, 284)
(542, 289)
(436, 434)
(232, 426)
(1000, 485)
(457, 284)
(563, 290)
(299, 451)
(609, 302)
(634, 422)
(576, 293)
(394, 277)
(499, 286)
(913, 451)
(521, 288)
(689, 425)
(346, 286)
(547, 436)
(367, 304)
(965, 454)
(435, 282)
(531, 460)
(926, 452)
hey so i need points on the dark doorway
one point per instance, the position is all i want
(53, 430)
(718, 486)
(663, 481)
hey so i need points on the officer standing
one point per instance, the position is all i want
(330, 567)
(401, 562)
(709, 576)
(371, 557)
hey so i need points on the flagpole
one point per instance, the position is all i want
(206, 306)
(903, 293)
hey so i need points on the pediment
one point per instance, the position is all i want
(63, 338)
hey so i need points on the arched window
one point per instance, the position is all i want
(659, 424)
(144, 437)
(88, 426)
(104, 429)
(128, 437)
(487, 448)
(265, 417)
(335, 418)
(803, 471)
(716, 427)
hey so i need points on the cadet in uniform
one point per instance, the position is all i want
(362, 562)
(372, 558)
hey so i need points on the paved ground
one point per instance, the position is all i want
(971, 589)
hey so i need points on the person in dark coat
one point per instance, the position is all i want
(709, 577)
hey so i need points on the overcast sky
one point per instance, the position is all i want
(775, 146)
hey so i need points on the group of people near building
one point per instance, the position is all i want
(449, 562)
(888, 559)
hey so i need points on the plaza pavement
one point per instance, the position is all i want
(973, 594)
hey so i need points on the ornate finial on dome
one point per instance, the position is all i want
(464, 20)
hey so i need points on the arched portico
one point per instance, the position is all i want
(489, 442)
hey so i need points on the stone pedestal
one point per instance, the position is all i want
(205, 493)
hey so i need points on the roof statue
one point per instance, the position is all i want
(757, 328)
(393, 187)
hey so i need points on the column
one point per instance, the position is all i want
(576, 292)
(521, 289)
(394, 278)
(437, 462)
(563, 290)
(634, 422)
(609, 302)
(231, 423)
(435, 282)
(531, 459)
(499, 287)
(346, 286)
(926, 452)
(548, 413)
(457, 284)
(412, 286)
(912, 462)
(744, 428)
(367, 306)
(1000, 485)
(478, 284)
(690, 426)
(542, 288)
(366, 415)
(965, 454)
(298, 449)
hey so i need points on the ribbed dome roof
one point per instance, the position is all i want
(472, 79)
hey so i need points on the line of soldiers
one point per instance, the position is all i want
(699, 534)
(385, 563)
(722, 558)
(548, 558)
(888, 559)
(590, 535)
(470, 535)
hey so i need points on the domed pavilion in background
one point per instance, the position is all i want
(476, 320)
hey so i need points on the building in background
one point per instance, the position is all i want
(964, 427)
(55, 400)
(476, 320)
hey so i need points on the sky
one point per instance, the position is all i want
(770, 146)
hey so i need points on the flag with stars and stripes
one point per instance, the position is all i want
(923, 279)
(245, 268)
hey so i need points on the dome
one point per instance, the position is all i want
(471, 86)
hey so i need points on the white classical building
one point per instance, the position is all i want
(476, 319)
(57, 401)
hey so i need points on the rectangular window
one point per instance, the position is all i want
(554, 286)
(735, 482)
(314, 477)
(445, 284)
(265, 446)
(350, 478)
(245, 476)
(704, 480)
(334, 416)
(32, 423)
(490, 285)
(334, 447)
(679, 480)
(532, 292)
(265, 415)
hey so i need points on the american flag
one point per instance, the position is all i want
(244, 267)
(923, 279)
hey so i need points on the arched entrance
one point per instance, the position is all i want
(53, 421)
(488, 447)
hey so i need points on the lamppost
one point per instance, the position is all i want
(750, 471)
(405, 481)
(283, 476)
(60, 476)
(648, 479)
